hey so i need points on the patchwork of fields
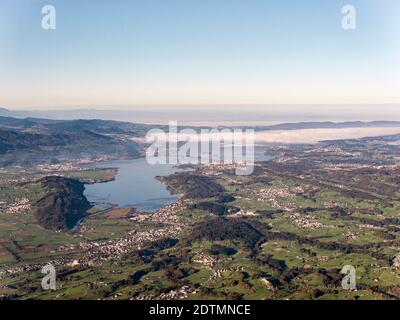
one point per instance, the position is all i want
(284, 232)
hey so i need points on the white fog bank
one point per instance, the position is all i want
(316, 135)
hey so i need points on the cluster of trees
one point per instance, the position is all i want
(216, 208)
(193, 186)
(221, 229)
(218, 250)
(64, 204)
(219, 206)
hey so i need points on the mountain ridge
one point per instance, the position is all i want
(139, 128)
(32, 141)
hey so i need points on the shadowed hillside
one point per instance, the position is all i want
(31, 141)
(63, 206)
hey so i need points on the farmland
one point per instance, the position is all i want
(284, 232)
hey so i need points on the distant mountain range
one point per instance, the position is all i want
(33, 140)
(29, 141)
(46, 126)
(215, 115)
(139, 129)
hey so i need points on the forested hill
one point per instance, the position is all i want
(29, 141)
(37, 125)
(63, 205)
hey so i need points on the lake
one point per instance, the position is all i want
(134, 186)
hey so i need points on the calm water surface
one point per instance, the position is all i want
(134, 186)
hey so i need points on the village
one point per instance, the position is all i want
(18, 206)
(95, 253)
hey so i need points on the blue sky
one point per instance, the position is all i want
(198, 52)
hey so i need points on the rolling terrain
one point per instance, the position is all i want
(31, 141)
(285, 232)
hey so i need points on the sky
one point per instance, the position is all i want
(198, 52)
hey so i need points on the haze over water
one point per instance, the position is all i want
(214, 115)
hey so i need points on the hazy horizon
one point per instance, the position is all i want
(221, 114)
